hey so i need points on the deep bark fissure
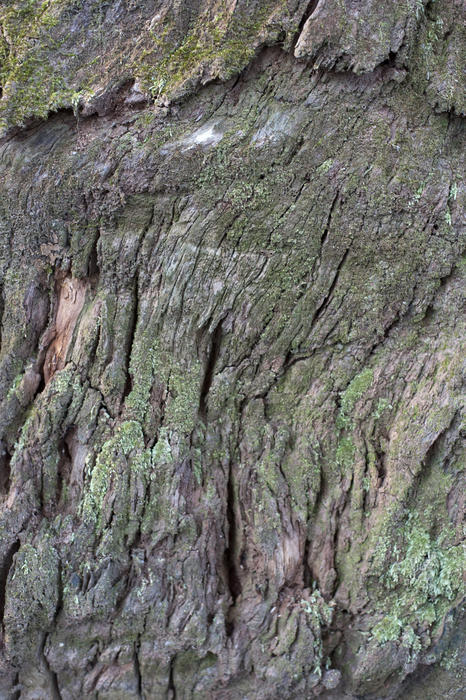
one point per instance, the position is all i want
(326, 300)
(212, 357)
(231, 553)
(171, 679)
(131, 336)
(5, 469)
(312, 6)
(325, 232)
(16, 689)
(380, 467)
(307, 573)
(59, 606)
(93, 269)
(65, 463)
(51, 674)
(137, 667)
(7, 564)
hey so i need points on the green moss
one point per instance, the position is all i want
(227, 41)
(29, 86)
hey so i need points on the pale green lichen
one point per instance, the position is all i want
(346, 448)
(128, 444)
(144, 364)
(421, 583)
(32, 595)
(355, 390)
(320, 616)
(184, 388)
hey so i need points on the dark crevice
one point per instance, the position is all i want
(321, 308)
(292, 356)
(41, 386)
(336, 533)
(7, 563)
(5, 469)
(93, 269)
(312, 6)
(393, 323)
(52, 676)
(230, 556)
(390, 61)
(59, 607)
(307, 573)
(365, 477)
(15, 692)
(132, 332)
(171, 680)
(65, 463)
(214, 351)
(2, 309)
(326, 230)
(381, 469)
(137, 668)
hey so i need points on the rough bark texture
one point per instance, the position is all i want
(232, 344)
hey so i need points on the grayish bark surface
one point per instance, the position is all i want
(232, 350)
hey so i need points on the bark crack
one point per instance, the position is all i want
(171, 680)
(131, 336)
(214, 351)
(137, 667)
(308, 12)
(7, 564)
(52, 676)
(230, 556)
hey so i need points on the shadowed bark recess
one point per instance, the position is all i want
(232, 274)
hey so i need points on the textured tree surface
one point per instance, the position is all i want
(232, 349)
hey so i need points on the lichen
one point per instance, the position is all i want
(421, 582)
(126, 444)
(355, 390)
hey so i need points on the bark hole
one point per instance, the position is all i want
(71, 294)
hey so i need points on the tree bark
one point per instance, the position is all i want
(232, 350)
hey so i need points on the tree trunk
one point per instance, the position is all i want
(232, 343)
